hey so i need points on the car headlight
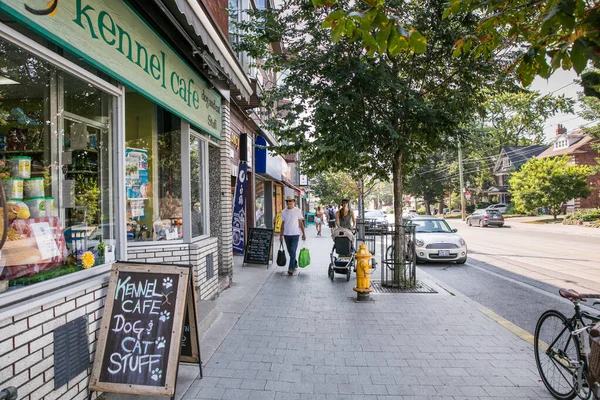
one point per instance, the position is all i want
(462, 242)
(420, 243)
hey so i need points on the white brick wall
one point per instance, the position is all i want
(27, 349)
(225, 239)
(194, 254)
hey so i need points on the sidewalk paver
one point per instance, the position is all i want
(304, 337)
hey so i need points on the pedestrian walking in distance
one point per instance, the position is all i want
(345, 216)
(331, 217)
(292, 225)
(319, 220)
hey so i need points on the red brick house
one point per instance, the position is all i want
(576, 144)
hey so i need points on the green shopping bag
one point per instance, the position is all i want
(303, 258)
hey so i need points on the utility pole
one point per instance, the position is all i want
(462, 183)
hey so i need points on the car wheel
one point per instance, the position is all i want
(464, 260)
(469, 222)
(419, 261)
(501, 226)
(481, 223)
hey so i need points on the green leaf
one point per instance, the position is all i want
(526, 73)
(417, 42)
(382, 38)
(369, 43)
(396, 43)
(332, 18)
(446, 13)
(578, 57)
(337, 31)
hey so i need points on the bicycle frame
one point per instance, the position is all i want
(576, 327)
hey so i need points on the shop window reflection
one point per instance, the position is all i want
(198, 181)
(153, 171)
(46, 116)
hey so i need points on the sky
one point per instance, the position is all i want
(561, 82)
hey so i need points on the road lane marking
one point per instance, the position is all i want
(520, 332)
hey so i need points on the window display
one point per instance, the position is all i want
(259, 202)
(152, 171)
(47, 119)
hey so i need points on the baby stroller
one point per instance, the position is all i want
(342, 253)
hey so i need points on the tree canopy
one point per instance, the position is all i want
(548, 182)
(538, 36)
(371, 114)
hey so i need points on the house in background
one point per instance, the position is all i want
(509, 160)
(576, 145)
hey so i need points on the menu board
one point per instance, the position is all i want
(258, 246)
(190, 351)
(140, 337)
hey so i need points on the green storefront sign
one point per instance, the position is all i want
(111, 36)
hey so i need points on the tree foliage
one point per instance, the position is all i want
(548, 34)
(517, 119)
(430, 181)
(548, 182)
(372, 115)
(332, 187)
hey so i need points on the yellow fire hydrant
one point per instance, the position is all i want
(363, 273)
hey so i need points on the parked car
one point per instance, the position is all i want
(485, 217)
(436, 241)
(456, 213)
(409, 213)
(501, 208)
(375, 221)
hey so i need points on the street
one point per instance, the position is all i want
(516, 271)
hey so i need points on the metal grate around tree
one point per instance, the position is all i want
(398, 257)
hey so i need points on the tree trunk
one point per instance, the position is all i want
(427, 208)
(399, 266)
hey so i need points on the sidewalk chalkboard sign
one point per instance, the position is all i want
(258, 246)
(189, 340)
(140, 337)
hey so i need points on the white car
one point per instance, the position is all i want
(501, 208)
(436, 241)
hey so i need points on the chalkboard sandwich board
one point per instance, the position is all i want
(140, 337)
(258, 246)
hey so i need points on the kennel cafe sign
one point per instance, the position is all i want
(111, 36)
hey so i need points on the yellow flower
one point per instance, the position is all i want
(87, 260)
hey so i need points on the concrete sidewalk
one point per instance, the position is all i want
(304, 337)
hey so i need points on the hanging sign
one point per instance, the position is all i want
(239, 209)
(111, 36)
(140, 339)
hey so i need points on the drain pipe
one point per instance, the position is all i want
(9, 393)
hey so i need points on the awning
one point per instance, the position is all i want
(299, 192)
(217, 46)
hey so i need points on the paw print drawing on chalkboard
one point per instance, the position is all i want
(167, 283)
(160, 342)
(164, 316)
(156, 374)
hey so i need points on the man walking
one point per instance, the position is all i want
(292, 224)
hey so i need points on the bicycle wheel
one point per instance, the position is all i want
(556, 354)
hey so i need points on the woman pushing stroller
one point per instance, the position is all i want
(345, 218)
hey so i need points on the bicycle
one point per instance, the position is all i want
(561, 348)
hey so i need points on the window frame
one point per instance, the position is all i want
(13, 302)
(196, 134)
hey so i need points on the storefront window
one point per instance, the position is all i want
(153, 171)
(56, 166)
(259, 202)
(199, 185)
